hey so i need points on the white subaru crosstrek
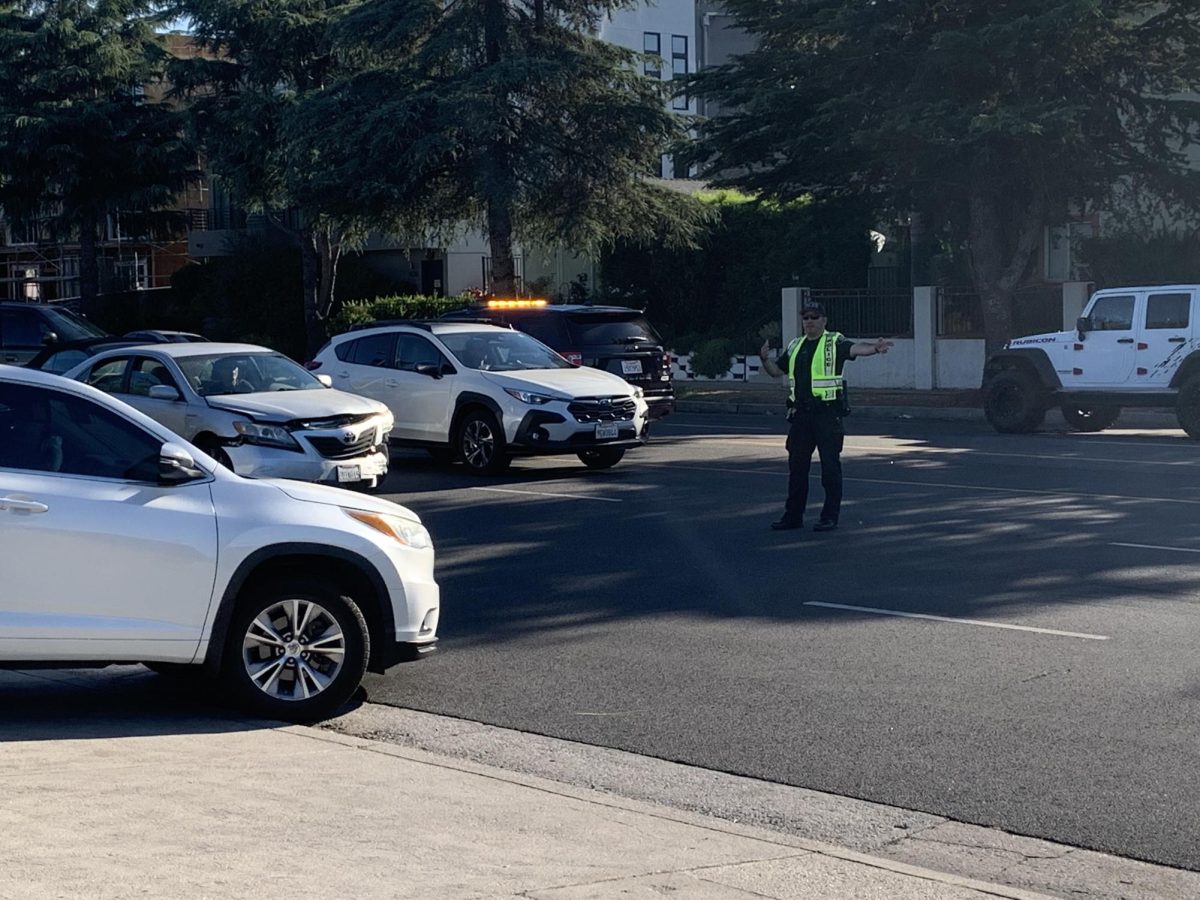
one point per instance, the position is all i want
(250, 408)
(121, 543)
(482, 394)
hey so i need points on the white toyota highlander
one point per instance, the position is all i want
(121, 543)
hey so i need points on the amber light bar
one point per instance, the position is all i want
(515, 304)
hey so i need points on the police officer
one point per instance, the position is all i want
(816, 404)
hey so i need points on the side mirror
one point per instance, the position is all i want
(433, 370)
(50, 337)
(163, 392)
(175, 465)
(1083, 325)
(326, 380)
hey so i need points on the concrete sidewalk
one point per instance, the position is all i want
(117, 802)
(115, 786)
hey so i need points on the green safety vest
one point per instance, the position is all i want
(826, 382)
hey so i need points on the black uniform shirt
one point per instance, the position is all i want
(808, 347)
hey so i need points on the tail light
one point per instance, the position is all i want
(666, 362)
(573, 356)
(312, 365)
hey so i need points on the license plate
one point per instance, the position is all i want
(349, 473)
(606, 432)
(631, 367)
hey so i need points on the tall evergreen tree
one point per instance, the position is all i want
(78, 141)
(265, 62)
(999, 116)
(509, 114)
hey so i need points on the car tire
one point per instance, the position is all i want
(1090, 418)
(1013, 402)
(269, 665)
(1187, 407)
(601, 457)
(209, 445)
(480, 444)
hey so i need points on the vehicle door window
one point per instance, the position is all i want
(22, 328)
(1168, 310)
(109, 375)
(44, 430)
(375, 350)
(63, 361)
(1113, 313)
(413, 350)
(145, 373)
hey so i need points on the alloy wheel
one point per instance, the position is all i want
(478, 444)
(293, 650)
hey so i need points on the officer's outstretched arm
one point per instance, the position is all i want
(768, 364)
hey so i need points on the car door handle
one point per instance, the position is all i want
(1176, 340)
(22, 505)
(1124, 340)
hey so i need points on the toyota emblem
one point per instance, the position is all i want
(347, 437)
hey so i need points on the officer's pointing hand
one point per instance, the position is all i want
(881, 346)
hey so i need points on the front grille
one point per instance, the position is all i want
(603, 409)
(335, 448)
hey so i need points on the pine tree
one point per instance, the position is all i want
(504, 113)
(997, 116)
(78, 141)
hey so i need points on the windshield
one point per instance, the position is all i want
(501, 351)
(70, 327)
(595, 329)
(246, 373)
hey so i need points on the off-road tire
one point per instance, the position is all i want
(1013, 402)
(1187, 407)
(1090, 418)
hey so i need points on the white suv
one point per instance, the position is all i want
(1134, 346)
(120, 543)
(482, 394)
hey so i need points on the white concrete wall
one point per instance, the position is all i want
(958, 362)
(893, 369)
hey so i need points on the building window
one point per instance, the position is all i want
(679, 66)
(652, 46)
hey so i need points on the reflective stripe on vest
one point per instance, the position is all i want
(826, 382)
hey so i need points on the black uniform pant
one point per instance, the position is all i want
(819, 430)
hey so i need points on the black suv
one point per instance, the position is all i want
(616, 339)
(25, 328)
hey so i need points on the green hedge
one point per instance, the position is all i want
(408, 306)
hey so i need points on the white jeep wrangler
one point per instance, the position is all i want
(1136, 346)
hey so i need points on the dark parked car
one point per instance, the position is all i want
(158, 336)
(27, 328)
(60, 356)
(613, 338)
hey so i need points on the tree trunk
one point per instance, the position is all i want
(89, 267)
(997, 265)
(310, 265)
(500, 238)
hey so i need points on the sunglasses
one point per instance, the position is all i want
(811, 318)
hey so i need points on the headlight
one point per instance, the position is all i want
(266, 435)
(527, 397)
(406, 531)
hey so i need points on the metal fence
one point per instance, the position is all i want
(1036, 310)
(866, 312)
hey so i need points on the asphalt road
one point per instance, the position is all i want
(650, 608)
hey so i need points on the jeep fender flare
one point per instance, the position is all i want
(1189, 367)
(382, 613)
(1029, 359)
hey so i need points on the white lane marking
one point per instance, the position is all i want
(1153, 547)
(933, 484)
(908, 615)
(548, 494)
